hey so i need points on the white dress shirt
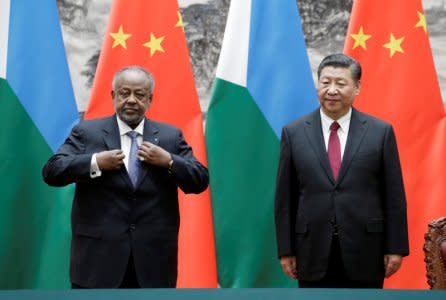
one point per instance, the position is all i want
(344, 123)
(126, 143)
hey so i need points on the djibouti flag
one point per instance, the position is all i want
(263, 82)
(37, 113)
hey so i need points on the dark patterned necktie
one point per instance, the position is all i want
(334, 149)
(134, 163)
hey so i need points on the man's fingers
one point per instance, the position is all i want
(289, 266)
(147, 144)
(391, 268)
(120, 156)
(116, 151)
(392, 263)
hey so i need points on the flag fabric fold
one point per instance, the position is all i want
(151, 34)
(38, 112)
(399, 84)
(263, 82)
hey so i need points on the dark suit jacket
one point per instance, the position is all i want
(111, 219)
(367, 202)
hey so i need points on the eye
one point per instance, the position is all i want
(140, 96)
(124, 93)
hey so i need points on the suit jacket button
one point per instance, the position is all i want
(132, 227)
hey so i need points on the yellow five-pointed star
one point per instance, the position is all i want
(180, 21)
(394, 45)
(120, 37)
(154, 44)
(421, 22)
(360, 38)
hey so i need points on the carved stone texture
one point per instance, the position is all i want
(435, 254)
(325, 22)
(205, 24)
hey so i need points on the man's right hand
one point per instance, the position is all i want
(289, 266)
(110, 160)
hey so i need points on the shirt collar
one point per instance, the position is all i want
(124, 128)
(343, 121)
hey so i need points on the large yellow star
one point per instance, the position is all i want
(120, 37)
(154, 44)
(180, 21)
(421, 21)
(360, 39)
(394, 45)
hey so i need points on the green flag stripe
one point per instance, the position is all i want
(243, 197)
(33, 217)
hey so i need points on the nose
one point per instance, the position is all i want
(332, 89)
(131, 99)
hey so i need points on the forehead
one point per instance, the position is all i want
(132, 78)
(336, 73)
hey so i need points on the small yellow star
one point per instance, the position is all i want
(120, 37)
(422, 21)
(394, 45)
(360, 39)
(154, 44)
(180, 21)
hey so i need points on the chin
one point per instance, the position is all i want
(132, 122)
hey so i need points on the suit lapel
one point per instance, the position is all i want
(111, 135)
(112, 140)
(315, 136)
(357, 130)
(150, 134)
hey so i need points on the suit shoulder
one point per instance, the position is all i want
(300, 121)
(374, 120)
(164, 127)
(94, 123)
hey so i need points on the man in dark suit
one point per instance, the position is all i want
(340, 207)
(127, 170)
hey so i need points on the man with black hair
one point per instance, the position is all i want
(340, 207)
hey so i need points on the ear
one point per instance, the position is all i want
(112, 94)
(358, 87)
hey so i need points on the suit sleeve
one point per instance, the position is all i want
(70, 163)
(395, 199)
(286, 199)
(190, 175)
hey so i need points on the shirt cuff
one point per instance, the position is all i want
(94, 168)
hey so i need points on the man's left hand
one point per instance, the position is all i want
(392, 263)
(154, 155)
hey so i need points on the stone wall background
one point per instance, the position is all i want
(84, 23)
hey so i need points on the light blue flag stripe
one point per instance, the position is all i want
(279, 73)
(37, 68)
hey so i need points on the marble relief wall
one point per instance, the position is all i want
(84, 22)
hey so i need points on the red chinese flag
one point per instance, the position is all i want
(151, 34)
(399, 84)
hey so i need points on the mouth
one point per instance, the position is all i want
(129, 110)
(332, 99)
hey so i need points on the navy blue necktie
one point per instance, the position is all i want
(134, 163)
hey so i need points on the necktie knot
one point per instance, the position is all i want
(132, 134)
(334, 126)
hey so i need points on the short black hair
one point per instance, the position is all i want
(340, 60)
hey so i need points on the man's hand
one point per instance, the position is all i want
(154, 155)
(110, 160)
(392, 262)
(289, 266)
